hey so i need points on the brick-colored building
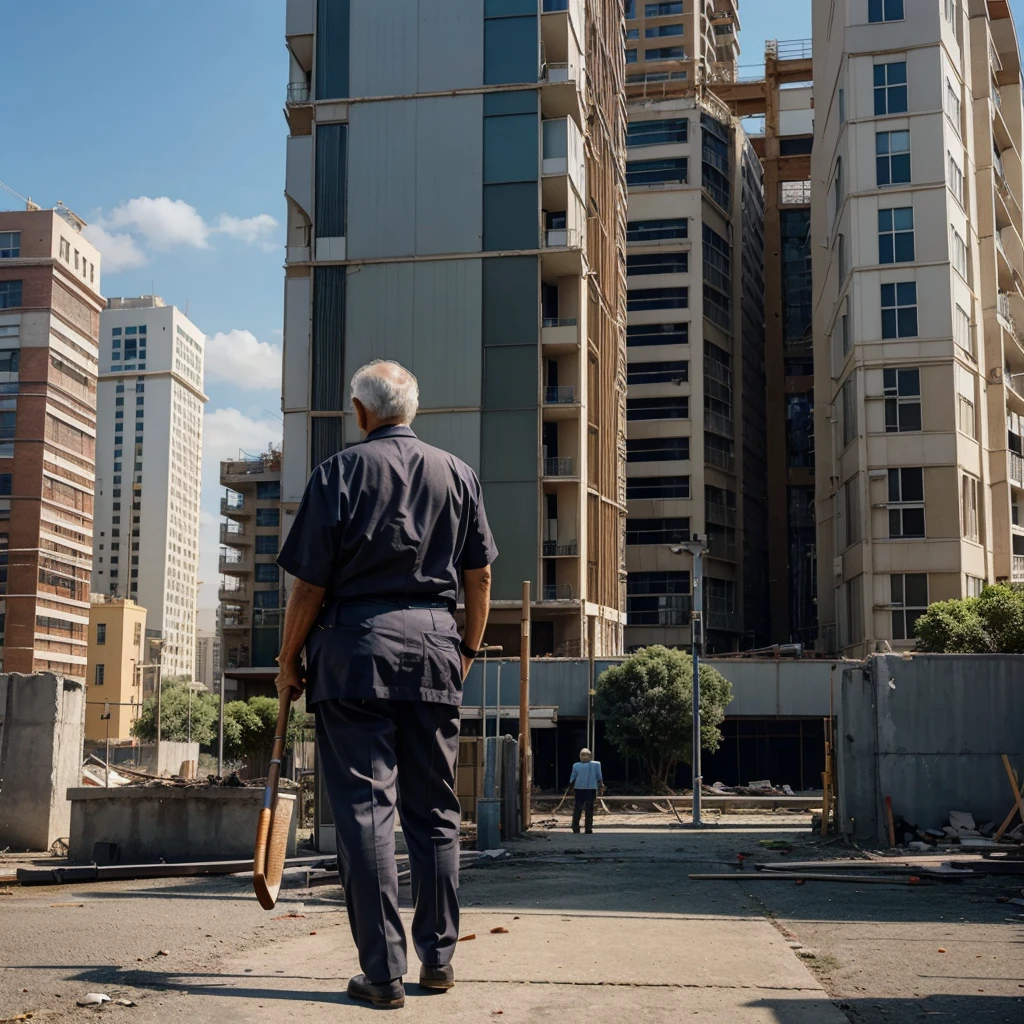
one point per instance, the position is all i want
(49, 330)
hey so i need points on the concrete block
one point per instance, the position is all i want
(150, 823)
(42, 728)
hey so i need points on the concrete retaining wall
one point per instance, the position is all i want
(173, 824)
(42, 727)
(927, 731)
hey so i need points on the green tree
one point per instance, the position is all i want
(993, 622)
(176, 713)
(249, 728)
(647, 706)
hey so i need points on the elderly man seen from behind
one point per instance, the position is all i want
(387, 533)
(586, 779)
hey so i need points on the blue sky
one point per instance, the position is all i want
(161, 124)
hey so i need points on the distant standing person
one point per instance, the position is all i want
(387, 534)
(586, 780)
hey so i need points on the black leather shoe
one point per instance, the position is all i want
(385, 995)
(437, 976)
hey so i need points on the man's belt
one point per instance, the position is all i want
(399, 602)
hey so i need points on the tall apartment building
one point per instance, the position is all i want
(784, 99)
(696, 407)
(918, 309)
(114, 683)
(208, 668)
(148, 460)
(251, 589)
(460, 207)
(49, 326)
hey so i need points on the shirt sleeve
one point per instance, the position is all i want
(600, 774)
(310, 549)
(480, 550)
(575, 772)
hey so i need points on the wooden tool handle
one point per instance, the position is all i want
(277, 752)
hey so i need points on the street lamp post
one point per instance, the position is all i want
(698, 549)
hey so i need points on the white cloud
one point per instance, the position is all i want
(239, 358)
(258, 230)
(226, 432)
(164, 223)
(124, 233)
(119, 251)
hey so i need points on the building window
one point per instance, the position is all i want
(718, 308)
(842, 107)
(849, 400)
(646, 263)
(953, 105)
(267, 545)
(657, 449)
(891, 88)
(657, 531)
(956, 178)
(958, 252)
(662, 10)
(631, 56)
(65, 250)
(892, 158)
(675, 488)
(899, 310)
(657, 298)
(660, 31)
(657, 133)
(902, 389)
(10, 294)
(673, 371)
(267, 573)
(10, 245)
(632, 33)
(896, 235)
(658, 408)
(966, 421)
(656, 172)
(837, 189)
(268, 490)
(630, 6)
(906, 503)
(974, 586)
(969, 505)
(949, 10)
(962, 333)
(656, 230)
(716, 147)
(658, 598)
(885, 10)
(101, 631)
(640, 335)
(9, 360)
(268, 517)
(100, 669)
(909, 599)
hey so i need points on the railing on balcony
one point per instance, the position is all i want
(1016, 469)
(1017, 569)
(557, 592)
(562, 71)
(232, 534)
(555, 321)
(1003, 307)
(233, 500)
(559, 467)
(722, 549)
(563, 238)
(235, 622)
(721, 515)
(298, 92)
(231, 557)
(560, 395)
(718, 424)
(553, 549)
(722, 460)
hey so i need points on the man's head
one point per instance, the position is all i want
(585, 755)
(384, 393)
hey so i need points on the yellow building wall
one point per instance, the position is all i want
(112, 674)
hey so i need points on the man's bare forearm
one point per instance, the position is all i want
(304, 604)
(477, 586)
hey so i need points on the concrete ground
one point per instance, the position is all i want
(599, 928)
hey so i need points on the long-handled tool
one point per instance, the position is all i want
(274, 821)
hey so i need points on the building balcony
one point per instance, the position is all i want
(559, 468)
(562, 87)
(298, 92)
(724, 550)
(720, 515)
(232, 535)
(563, 252)
(235, 623)
(560, 403)
(726, 622)
(299, 24)
(719, 459)
(556, 592)
(1017, 569)
(234, 592)
(235, 563)
(552, 549)
(560, 334)
(234, 506)
(718, 424)
(1015, 470)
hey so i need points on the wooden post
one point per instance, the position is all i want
(525, 760)
(591, 672)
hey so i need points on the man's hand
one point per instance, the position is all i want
(291, 679)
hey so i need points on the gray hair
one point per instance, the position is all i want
(387, 390)
(585, 754)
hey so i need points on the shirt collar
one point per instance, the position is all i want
(389, 430)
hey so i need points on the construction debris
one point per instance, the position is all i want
(93, 999)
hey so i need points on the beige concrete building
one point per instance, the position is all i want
(116, 631)
(919, 315)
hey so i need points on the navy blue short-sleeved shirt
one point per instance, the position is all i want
(387, 521)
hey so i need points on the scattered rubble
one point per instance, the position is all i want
(93, 999)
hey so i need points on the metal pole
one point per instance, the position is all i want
(106, 774)
(220, 733)
(190, 714)
(591, 656)
(696, 632)
(159, 688)
(497, 704)
(525, 760)
(483, 699)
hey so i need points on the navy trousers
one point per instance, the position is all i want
(584, 805)
(379, 756)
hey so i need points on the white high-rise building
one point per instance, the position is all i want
(149, 444)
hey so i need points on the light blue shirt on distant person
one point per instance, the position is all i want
(586, 775)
